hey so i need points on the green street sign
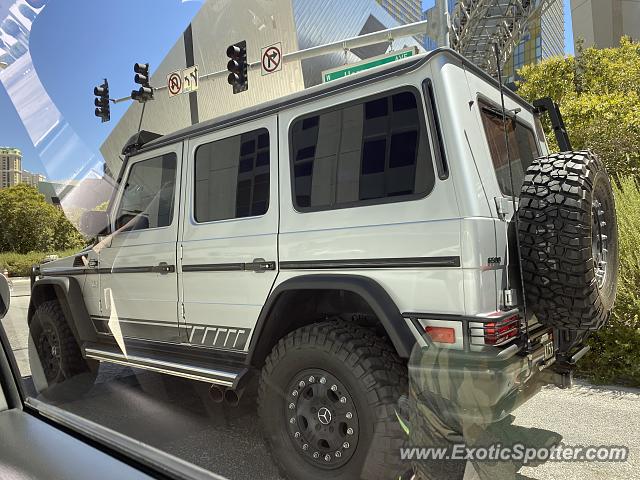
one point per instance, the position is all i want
(346, 70)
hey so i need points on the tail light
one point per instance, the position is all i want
(501, 331)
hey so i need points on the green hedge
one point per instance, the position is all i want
(615, 350)
(19, 264)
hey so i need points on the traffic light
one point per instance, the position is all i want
(238, 66)
(103, 110)
(145, 92)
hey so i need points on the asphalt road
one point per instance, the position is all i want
(177, 416)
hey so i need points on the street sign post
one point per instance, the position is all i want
(346, 70)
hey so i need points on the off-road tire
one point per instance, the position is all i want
(563, 280)
(372, 374)
(74, 375)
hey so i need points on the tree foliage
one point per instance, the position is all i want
(615, 349)
(28, 223)
(598, 91)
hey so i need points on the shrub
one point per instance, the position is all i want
(615, 350)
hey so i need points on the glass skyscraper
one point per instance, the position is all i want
(544, 38)
(404, 11)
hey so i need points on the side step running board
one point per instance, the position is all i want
(227, 377)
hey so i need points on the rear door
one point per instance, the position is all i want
(229, 238)
(137, 265)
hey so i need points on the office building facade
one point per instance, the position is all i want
(602, 23)
(544, 38)
(403, 11)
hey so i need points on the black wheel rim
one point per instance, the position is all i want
(322, 419)
(600, 235)
(48, 346)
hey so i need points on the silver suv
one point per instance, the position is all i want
(315, 242)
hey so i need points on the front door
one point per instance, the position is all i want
(230, 229)
(137, 263)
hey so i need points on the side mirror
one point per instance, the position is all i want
(5, 295)
(94, 223)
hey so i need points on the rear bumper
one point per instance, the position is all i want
(480, 387)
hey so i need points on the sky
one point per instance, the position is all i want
(71, 60)
(74, 45)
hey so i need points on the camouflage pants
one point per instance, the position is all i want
(448, 405)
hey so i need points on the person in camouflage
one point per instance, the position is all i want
(449, 403)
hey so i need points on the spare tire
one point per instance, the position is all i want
(569, 241)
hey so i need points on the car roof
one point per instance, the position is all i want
(396, 68)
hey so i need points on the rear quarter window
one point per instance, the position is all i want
(366, 152)
(523, 148)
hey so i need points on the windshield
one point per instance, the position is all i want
(244, 239)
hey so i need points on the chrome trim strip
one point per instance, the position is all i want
(415, 262)
(207, 375)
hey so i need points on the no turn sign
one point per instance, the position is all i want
(271, 58)
(174, 82)
(183, 81)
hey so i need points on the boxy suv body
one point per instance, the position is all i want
(318, 240)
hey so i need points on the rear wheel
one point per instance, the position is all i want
(54, 355)
(569, 241)
(327, 401)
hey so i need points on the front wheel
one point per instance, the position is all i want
(57, 367)
(327, 399)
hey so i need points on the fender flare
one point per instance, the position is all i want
(368, 289)
(69, 295)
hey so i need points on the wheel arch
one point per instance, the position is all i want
(67, 292)
(269, 329)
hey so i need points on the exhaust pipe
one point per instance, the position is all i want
(232, 397)
(217, 393)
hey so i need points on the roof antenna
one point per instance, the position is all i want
(496, 50)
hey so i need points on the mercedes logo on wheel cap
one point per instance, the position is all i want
(324, 415)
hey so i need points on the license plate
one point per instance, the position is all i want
(548, 350)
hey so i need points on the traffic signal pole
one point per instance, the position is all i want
(382, 36)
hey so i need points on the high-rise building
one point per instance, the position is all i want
(404, 11)
(602, 23)
(10, 167)
(32, 179)
(544, 38)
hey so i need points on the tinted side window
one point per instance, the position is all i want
(232, 177)
(361, 153)
(523, 149)
(149, 194)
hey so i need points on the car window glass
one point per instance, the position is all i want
(522, 149)
(149, 194)
(232, 177)
(361, 153)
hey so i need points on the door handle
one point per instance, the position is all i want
(260, 265)
(163, 268)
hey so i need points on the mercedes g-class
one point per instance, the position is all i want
(316, 241)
